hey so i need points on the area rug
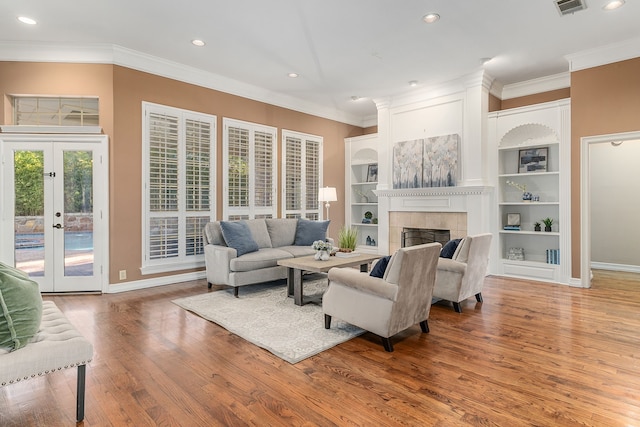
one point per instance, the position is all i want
(266, 317)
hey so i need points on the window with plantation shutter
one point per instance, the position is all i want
(301, 175)
(179, 194)
(249, 161)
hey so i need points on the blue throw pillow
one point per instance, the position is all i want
(237, 235)
(308, 232)
(380, 267)
(449, 248)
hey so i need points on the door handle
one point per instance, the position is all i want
(58, 226)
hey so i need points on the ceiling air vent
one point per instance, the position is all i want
(566, 7)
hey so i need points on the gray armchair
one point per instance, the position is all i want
(463, 275)
(388, 305)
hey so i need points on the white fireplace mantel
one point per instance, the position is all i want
(476, 201)
(434, 191)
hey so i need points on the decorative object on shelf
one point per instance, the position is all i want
(548, 222)
(327, 194)
(368, 241)
(367, 217)
(373, 242)
(536, 226)
(526, 196)
(429, 162)
(516, 254)
(372, 173)
(535, 198)
(323, 250)
(365, 198)
(347, 239)
(513, 219)
(533, 160)
(374, 221)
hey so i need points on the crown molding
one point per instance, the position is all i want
(534, 86)
(118, 55)
(439, 90)
(603, 55)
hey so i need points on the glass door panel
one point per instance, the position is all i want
(78, 213)
(29, 238)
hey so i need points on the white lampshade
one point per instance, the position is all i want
(327, 194)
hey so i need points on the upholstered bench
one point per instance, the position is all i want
(57, 345)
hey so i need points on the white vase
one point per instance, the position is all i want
(317, 255)
(324, 256)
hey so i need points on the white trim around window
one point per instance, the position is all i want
(179, 172)
(249, 173)
(302, 168)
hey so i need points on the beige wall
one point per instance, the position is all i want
(604, 100)
(34, 78)
(496, 104)
(121, 92)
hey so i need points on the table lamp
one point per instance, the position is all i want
(327, 194)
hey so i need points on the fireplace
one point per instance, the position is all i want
(418, 236)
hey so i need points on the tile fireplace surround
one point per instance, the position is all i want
(461, 210)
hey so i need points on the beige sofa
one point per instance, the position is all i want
(276, 239)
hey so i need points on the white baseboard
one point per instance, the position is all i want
(615, 267)
(157, 281)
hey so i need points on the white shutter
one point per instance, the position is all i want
(263, 170)
(178, 165)
(250, 170)
(238, 167)
(302, 174)
(163, 162)
(293, 175)
(198, 165)
(163, 238)
(312, 176)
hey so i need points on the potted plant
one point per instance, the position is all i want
(536, 226)
(548, 222)
(347, 239)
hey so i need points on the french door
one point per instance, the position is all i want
(54, 217)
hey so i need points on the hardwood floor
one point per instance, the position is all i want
(531, 354)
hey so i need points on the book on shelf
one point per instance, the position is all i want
(553, 256)
(512, 227)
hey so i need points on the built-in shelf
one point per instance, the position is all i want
(361, 155)
(541, 130)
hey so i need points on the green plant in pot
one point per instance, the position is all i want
(347, 239)
(548, 222)
(536, 226)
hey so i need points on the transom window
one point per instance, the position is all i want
(55, 111)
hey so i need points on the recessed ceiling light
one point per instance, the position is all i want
(355, 98)
(430, 18)
(413, 83)
(485, 61)
(293, 75)
(613, 4)
(197, 42)
(27, 20)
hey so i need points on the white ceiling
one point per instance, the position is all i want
(340, 48)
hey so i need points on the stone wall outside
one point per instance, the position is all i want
(35, 224)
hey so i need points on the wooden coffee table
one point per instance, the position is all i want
(307, 263)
